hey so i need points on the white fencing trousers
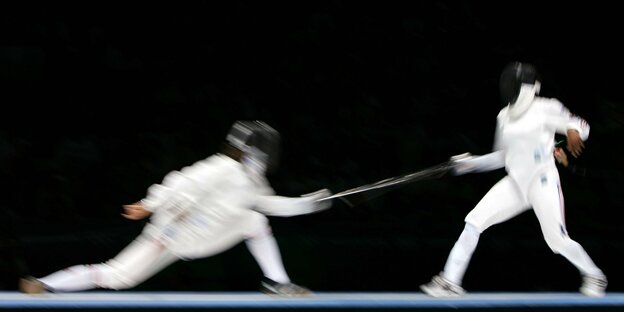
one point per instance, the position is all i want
(264, 249)
(146, 256)
(139, 261)
(461, 254)
(505, 201)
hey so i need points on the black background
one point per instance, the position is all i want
(100, 99)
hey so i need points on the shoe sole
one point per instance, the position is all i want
(437, 294)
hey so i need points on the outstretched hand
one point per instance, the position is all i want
(461, 164)
(135, 211)
(575, 144)
(318, 197)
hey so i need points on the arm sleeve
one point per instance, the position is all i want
(292, 206)
(177, 186)
(561, 119)
(487, 162)
(158, 195)
(579, 124)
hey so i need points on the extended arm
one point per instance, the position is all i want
(293, 206)
(466, 163)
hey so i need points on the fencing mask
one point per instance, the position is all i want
(519, 83)
(259, 142)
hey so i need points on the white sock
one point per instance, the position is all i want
(75, 278)
(461, 254)
(264, 249)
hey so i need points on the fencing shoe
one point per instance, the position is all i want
(594, 285)
(31, 285)
(441, 287)
(271, 287)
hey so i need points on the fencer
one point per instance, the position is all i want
(523, 145)
(200, 211)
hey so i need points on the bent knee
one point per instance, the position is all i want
(475, 225)
(258, 225)
(558, 241)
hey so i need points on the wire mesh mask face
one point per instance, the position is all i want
(260, 144)
(519, 83)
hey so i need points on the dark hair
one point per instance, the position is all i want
(231, 151)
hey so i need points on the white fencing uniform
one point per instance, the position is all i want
(199, 211)
(524, 146)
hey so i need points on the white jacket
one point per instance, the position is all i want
(203, 202)
(525, 146)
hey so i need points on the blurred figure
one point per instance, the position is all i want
(523, 145)
(200, 211)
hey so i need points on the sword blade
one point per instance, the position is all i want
(428, 173)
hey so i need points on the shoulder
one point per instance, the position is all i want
(550, 105)
(217, 164)
(502, 113)
(227, 170)
(224, 162)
